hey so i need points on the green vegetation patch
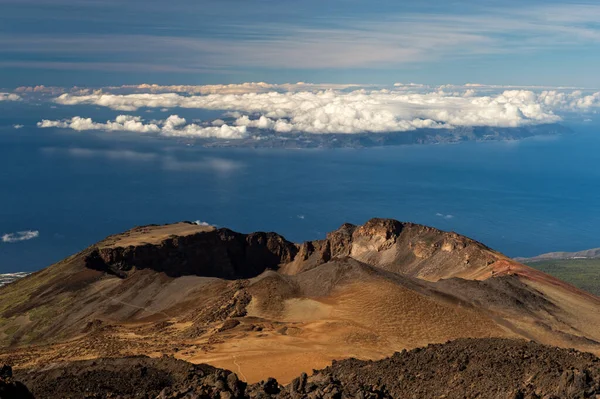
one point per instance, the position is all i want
(582, 273)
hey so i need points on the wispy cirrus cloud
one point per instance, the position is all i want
(170, 161)
(25, 235)
(374, 41)
(126, 155)
(221, 166)
(108, 153)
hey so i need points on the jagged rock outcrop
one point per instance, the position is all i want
(406, 248)
(218, 253)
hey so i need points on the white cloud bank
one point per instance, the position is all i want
(405, 107)
(20, 236)
(173, 126)
(335, 111)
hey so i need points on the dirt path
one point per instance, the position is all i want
(240, 372)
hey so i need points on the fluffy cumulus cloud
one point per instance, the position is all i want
(41, 89)
(173, 126)
(10, 238)
(9, 97)
(573, 101)
(121, 123)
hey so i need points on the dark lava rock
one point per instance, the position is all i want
(6, 372)
(131, 378)
(465, 368)
(470, 368)
(11, 389)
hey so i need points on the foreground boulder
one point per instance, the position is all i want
(11, 389)
(466, 368)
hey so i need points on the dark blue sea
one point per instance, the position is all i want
(521, 198)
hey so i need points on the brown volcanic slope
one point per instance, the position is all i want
(262, 306)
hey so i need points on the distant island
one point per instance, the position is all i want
(581, 268)
(361, 140)
(593, 253)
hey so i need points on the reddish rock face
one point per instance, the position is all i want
(405, 248)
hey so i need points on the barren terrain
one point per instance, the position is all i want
(264, 307)
(465, 368)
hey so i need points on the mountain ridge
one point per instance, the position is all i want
(593, 253)
(268, 307)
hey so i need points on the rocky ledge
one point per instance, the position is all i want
(215, 253)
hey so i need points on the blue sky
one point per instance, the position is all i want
(102, 42)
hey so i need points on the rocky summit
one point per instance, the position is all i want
(264, 307)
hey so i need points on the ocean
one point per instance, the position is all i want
(75, 188)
